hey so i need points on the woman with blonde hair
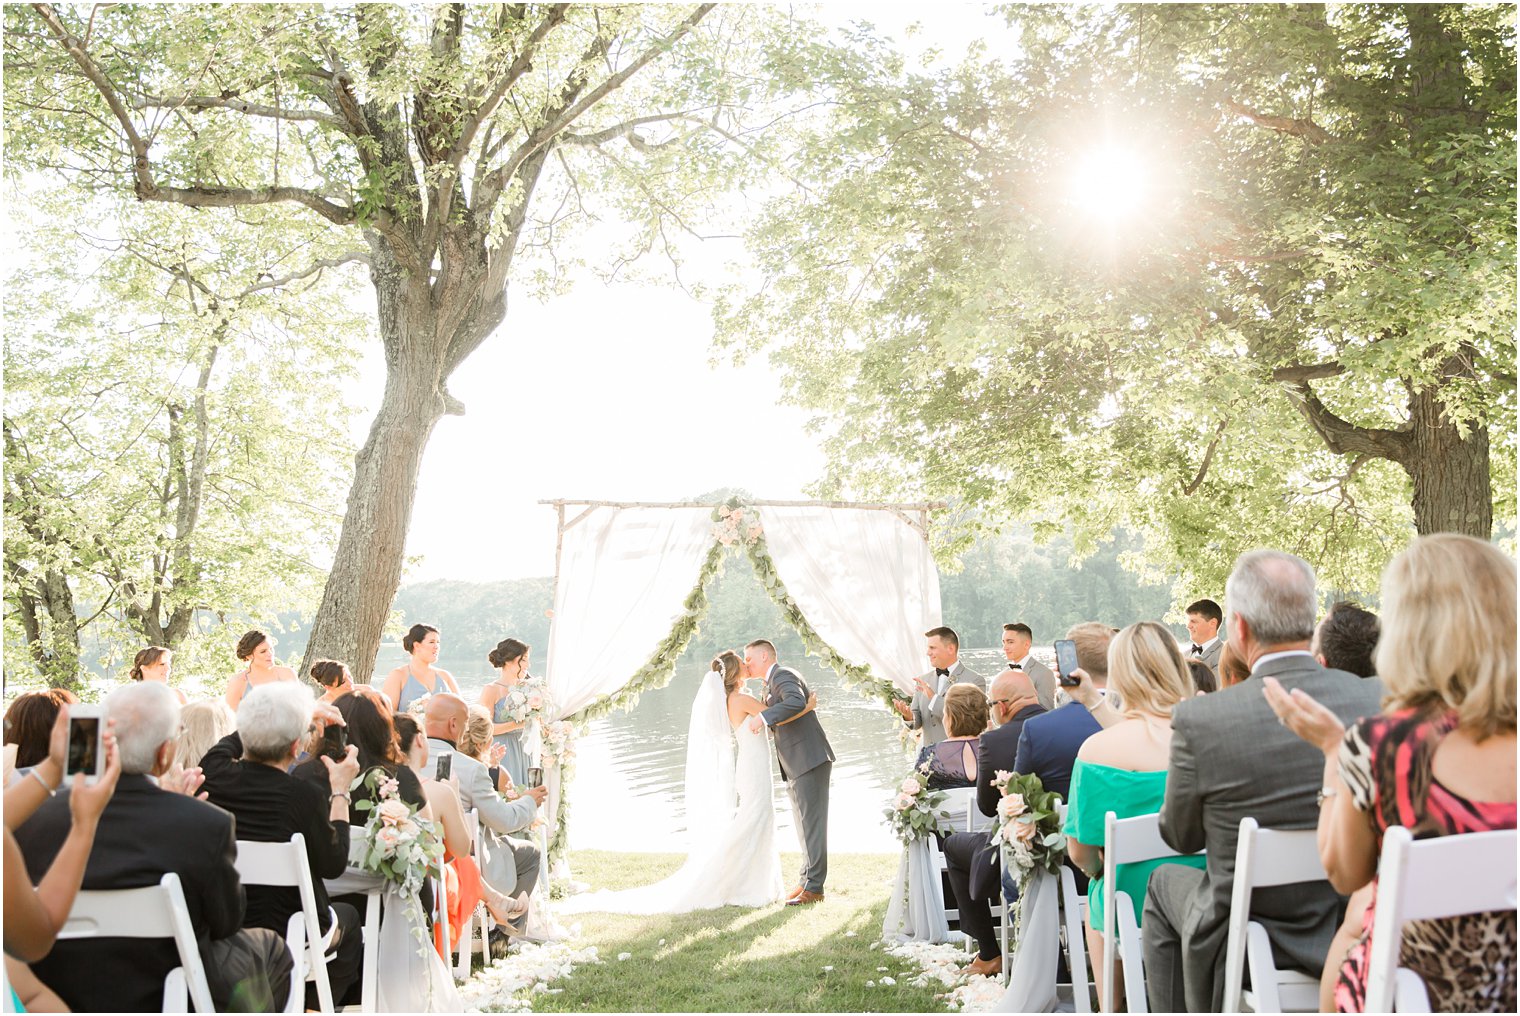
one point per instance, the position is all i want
(1122, 768)
(205, 722)
(1439, 760)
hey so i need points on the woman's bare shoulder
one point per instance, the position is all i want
(1114, 746)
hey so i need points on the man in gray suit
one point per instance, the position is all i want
(1018, 640)
(509, 864)
(1203, 620)
(805, 759)
(1231, 758)
(928, 707)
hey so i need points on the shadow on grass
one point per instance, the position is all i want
(769, 959)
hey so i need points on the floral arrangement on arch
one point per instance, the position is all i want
(915, 810)
(397, 844)
(1028, 829)
(736, 525)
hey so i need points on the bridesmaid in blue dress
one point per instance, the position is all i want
(510, 658)
(413, 680)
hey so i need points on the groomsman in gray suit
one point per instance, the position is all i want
(1231, 758)
(805, 759)
(1018, 640)
(927, 709)
(1203, 620)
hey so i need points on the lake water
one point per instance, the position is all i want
(630, 767)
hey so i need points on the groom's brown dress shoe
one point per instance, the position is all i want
(985, 968)
(803, 898)
(794, 892)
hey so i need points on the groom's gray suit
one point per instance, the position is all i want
(806, 760)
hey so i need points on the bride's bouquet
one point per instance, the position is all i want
(1028, 830)
(915, 810)
(397, 844)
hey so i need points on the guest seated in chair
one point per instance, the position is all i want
(247, 774)
(970, 859)
(1230, 759)
(509, 863)
(1122, 768)
(1439, 760)
(952, 762)
(146, 831)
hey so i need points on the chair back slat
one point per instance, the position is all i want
(157, 911)
(1445, 876)
(286, 865)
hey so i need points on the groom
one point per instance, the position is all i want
(806, 761)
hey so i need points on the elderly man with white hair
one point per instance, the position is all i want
(145, 832)
(247, 772)
(1230, 758)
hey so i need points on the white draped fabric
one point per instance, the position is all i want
(1032, 983)
(623, 578)
(865, 580)
(916, 906)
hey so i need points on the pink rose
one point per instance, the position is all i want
(1011, 806)
(535, 701)
(1025, 832)
(394, 811)
(904, 802)
(910, 786)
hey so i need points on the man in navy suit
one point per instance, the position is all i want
(969, 857)
(1048, 744)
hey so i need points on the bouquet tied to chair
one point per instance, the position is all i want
(1028, 831)
(397, 844)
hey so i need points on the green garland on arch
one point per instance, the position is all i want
(658, 670)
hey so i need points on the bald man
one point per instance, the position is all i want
(510, 864)
(967, 855)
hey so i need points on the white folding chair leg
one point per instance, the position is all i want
(1076, 943)
(1130, 953)
(369, 980)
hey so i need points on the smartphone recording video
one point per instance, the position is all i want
(85, 752)
(1066, 662)
(445, 765)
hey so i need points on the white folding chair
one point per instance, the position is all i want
(369, 977)
(1265, 858)
(155, 911)
(1423, 880)
(286, 865)
(468, 942)
(1126, 841)
(1073, 910)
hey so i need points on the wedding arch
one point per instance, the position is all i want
(857, 581)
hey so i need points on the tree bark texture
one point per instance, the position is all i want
(1449, 470)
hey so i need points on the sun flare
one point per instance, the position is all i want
(1110, 183)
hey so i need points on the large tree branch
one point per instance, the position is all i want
(1310, 131)
(1343, 437)
(240, 105)
(315, 268)
(562, 117)
(148, 189)
(1294, 372)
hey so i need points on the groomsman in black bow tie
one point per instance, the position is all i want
(1203, 620)
(1018, 639)
(927, 710)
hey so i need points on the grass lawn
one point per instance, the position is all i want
(740, 960)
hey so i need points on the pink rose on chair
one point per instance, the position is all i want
(1025, 832)
(1011, 806)
(910, 786)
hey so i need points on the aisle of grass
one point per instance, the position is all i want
(740, 960)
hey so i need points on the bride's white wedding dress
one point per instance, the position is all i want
(733, 859)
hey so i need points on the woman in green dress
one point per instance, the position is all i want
(1122, 768)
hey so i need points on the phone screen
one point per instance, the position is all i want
(1066, 661)
(84, 741)
(535, 776)
(337, 735)
(445, 765)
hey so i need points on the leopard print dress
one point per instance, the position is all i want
(1467, 963)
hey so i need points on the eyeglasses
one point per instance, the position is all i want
(1002, 702)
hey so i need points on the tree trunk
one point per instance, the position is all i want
(1450, 470)
(366, 569)
(46, 606)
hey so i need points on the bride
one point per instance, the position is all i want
(733, 859)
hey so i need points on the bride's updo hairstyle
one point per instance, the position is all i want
(727, 664)
(506, 651)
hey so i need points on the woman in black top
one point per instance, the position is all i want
(367, 722)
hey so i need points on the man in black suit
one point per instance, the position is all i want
(969, 857)
(1231, 758)
(145, 832)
